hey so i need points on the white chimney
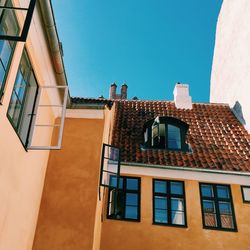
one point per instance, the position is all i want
(182, 99)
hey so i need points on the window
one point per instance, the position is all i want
(217, 207)
(124, 202)
(166, 133)
(23, 99)
(245, 193)
(169, 206)
(8, 25)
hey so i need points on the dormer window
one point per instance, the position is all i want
(166, 133)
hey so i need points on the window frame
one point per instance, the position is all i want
(216, 201)
(166, 120)
(168, 195)
(138, 192)
(243, 196)
(16, 128)
(12, 45)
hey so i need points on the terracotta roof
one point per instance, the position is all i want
(217, 139)
(81, 100)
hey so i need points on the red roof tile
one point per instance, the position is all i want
(217, 139)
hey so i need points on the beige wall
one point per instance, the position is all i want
(21, 172)
(68, 209)
(230, 78)
(144, 235)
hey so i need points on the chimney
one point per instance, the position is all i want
(124, 89)
(182, 98)
(112, 91)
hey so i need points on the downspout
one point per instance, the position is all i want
(54, 43)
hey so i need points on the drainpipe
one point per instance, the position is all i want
(54, 44)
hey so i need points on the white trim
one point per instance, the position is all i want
(216, 176)
(85, 113)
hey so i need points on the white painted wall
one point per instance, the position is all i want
(22, 173)
(230, 78)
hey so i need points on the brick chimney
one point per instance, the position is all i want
(112, 91)
(182, 99)
(124, 89)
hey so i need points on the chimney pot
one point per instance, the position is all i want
(182, 98)
(112, 91)
(124, 89)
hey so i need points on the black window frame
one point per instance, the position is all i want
(150, 143)
(16, 127)
(12, 45)
(125, 190)
(168, 195)
(216, 201)
(242, 193)
(23, 36)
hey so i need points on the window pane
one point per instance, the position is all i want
(225, 208)
(162, 129)
(227, 221)
(131, 199)
(14, 110)
(177, 218)
(208, 207)
(160, 187)
(222, 192)
(174, 137)
(5, 53)
(210, 220)
(2, 73)
(207, 191)
(132, 184)
(160, 202)
(176, 188)
(161, 216)
(177, 204)
(246, 193)
(113, 181)
(131, 212)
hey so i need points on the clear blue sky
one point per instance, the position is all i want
(149, 44)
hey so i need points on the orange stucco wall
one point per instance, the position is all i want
(143, 235)
(68, 207)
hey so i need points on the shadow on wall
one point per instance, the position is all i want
(237, 110)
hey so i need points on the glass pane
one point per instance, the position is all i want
(227, 221)
(177, 218)
(5, 53)
(207, 190)
(177, 204)
(176, 187)
(210, 220)
(14, 110)
(131, 212)
(160, 202)
(131, 199)
(160, 187)
(174, 137)
(222, 192)
(246, 193)
(161, 216)
(162, 129)
(2, 73)
(132, 184)
(119, 205)
(225, 208)
(208, 207)
(113, 181)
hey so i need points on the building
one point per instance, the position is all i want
(230, 77)
(32, 96)
(123, 174)
(184, 177)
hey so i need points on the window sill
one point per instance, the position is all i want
(145, 148)
(128, 220)
(169, 225)
(221, 229)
